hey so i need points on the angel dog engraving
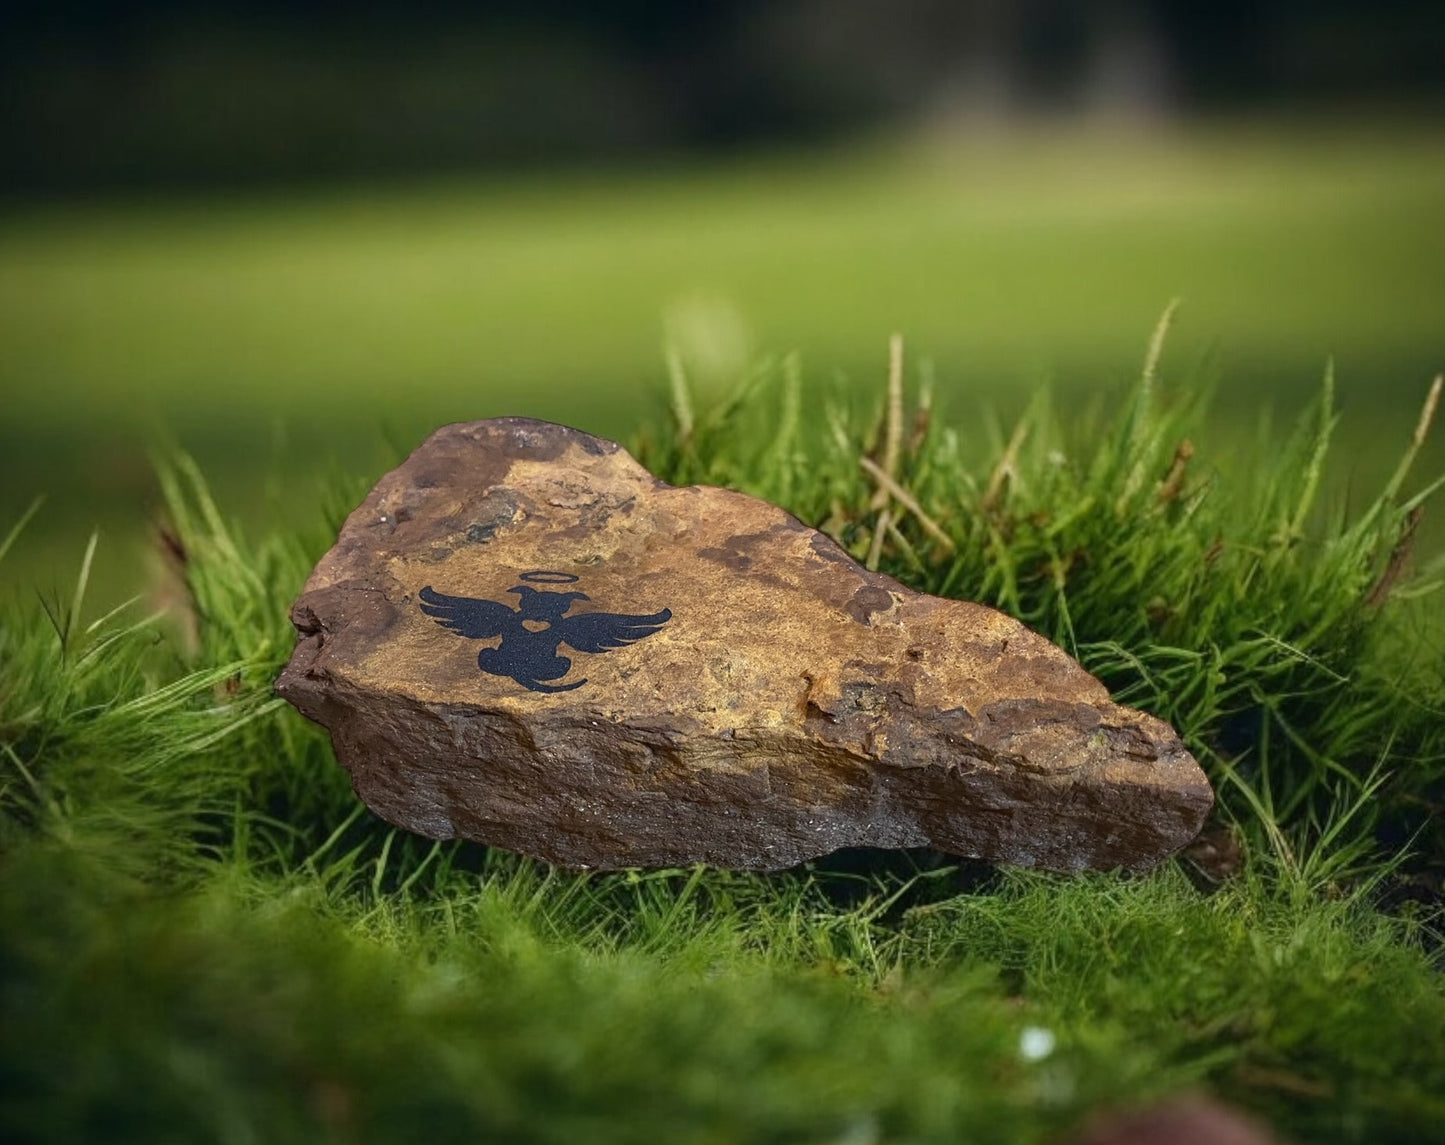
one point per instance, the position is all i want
(532, 632)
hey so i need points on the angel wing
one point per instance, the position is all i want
(468, 616)
(599, 631)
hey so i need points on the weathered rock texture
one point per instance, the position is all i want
(731, 688)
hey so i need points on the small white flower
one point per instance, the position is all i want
(1036, 1043)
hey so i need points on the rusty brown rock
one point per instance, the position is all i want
(730, 687)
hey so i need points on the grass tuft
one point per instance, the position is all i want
(1286, 640)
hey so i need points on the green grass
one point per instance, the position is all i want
(203, 936)
(335, 312)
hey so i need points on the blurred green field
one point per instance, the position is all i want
(279, 334)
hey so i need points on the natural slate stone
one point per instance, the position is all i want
(522, 637)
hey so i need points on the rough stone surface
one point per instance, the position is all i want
(731, 687)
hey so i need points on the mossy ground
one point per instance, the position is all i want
(204, 937)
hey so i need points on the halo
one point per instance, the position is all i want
(547, 576)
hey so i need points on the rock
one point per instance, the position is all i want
(523, 638)
(1181, 1121)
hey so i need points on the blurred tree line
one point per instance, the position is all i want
(96, 95)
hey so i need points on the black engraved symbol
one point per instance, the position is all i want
(532, 631)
